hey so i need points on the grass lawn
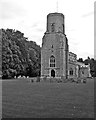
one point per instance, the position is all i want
(23, 99)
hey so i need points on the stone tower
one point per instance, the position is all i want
(54, 52)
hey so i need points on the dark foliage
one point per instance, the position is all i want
(80, 60)
(92, 63)
(19, 56)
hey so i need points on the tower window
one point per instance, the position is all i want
(71, 71)
(82, 72)
(63, 27)
(53, 27)
(52, 61)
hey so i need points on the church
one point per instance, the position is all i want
(56, 59)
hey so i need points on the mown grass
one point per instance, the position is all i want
(23, 99)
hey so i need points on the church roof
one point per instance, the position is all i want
(72, 53)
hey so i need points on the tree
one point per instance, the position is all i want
(19, 55)
(92, 63)
(80, 60)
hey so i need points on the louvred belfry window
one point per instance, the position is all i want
(53, 27)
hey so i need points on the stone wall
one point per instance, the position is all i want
(53, 44)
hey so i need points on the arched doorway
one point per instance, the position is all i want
(52, 73)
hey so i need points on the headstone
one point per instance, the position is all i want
(38, 79)
(45, 78)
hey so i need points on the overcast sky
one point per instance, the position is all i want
(29, 16)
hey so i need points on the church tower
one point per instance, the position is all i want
(54, 51)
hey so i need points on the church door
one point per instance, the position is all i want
(52, 73)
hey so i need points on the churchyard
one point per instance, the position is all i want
(22, 98)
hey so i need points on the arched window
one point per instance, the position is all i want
(71, 71)
(52, 61)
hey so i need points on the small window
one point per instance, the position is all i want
(71, 71)
(63, 27)
(53, 27)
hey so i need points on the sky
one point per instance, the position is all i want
(30, 17)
